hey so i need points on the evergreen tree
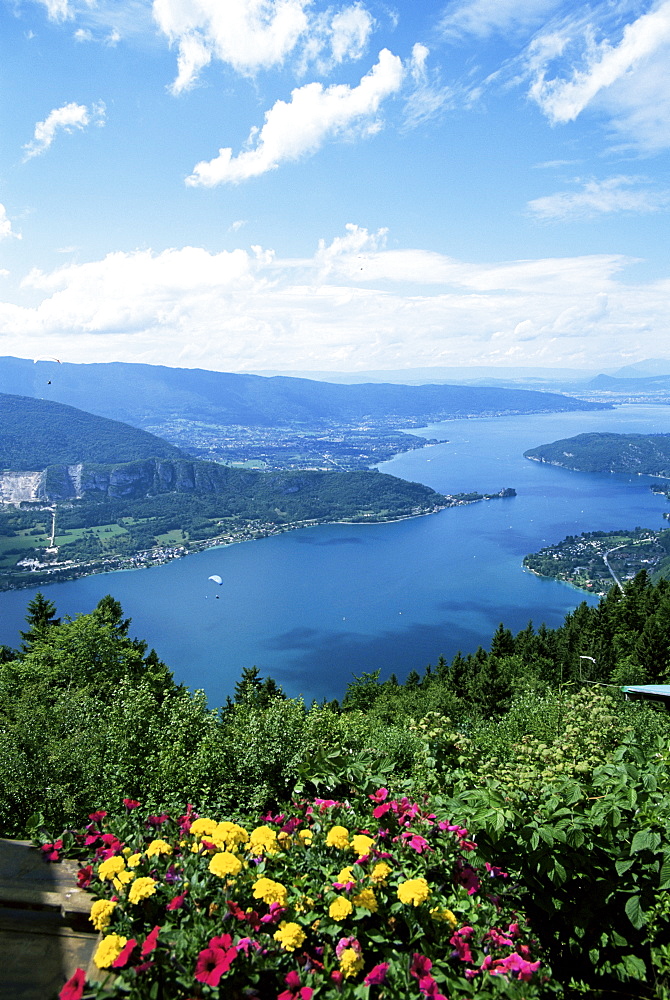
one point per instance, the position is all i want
(41, 617)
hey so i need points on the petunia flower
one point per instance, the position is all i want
(123, 957)
(377, 975)
(213, 963)
(177, 902)
(295, 991)
(74, 987)
(150, 942)
(131, 804)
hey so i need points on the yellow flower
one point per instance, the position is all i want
(290, 936)
(262, 840)
(203, 827)
(111, 867)
(158, 847)
(338, 836)
(126, 851)
(380, 872)
(340, 908)
(141, 888)
(443, 914)
(346, 875)
(362, 844)
(351, 962)
(108, 950)
(227, 836)
(122, 879)
(414, 891)
(224, 864)
(269, 891)
(101, 913)
(134, 860)
(367, 899)
(306, 837)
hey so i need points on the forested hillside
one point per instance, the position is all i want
(553, 786)
(144, 395)
(35, 433)
(643, 454)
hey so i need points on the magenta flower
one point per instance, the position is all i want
(157, 820)
(380, 795)
(213, 963)
(150, 942)
(74, 987)
(131, 804)
(177, 902)
(98, 815)
(295, 991)
(123, 957)
(51, 851)
(421, 966)
(459, 939)
(416, 842)
(515, 963)
(85, 876)
(377, 975)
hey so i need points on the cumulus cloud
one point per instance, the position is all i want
(6, 225)
(57, 10)
(628, 77)
(254, 35)
(314, 114)
(64, 119)
(615, 194)
(355, 303)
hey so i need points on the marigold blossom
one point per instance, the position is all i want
(290, 935)
(203, 827)
(414, 891)
(224, 864)
(111, 867)
(141, 889)
(351, 962)
(338, 836)
(362, 844)
(269, 891)
(380, 872)
(340, 908)
(262, 840)
(101, 913)
(367, 900)
(109, 948)
(158, 847)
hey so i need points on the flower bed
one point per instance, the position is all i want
(380, 898)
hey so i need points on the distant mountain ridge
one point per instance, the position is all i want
(640, 454)
(144, 395)
(36, 433)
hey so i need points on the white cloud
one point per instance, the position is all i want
(6, 225)
(627, 78)
(64, 119)
(58, 10)
(615, 194)
(428, 97)
(483, 18)
(254, 35)
(296, 129)
(354, 304)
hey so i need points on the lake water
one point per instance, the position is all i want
(314, 607)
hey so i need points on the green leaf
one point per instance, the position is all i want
(645, 840)
(623, 864)
(664, 881)
(634, 912)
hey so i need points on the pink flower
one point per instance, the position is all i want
(131, 804)
(85, 876)
(498, 938)
(337, 977)
(157, 820)
(97, 816)
(466, 876)
(186, 820)
(348, 942)
(380, 795)
(494, 871)
(177, 902)
(213, 963)
(377, 975)
(123, 957)
(459, 939)
(381, 810)
(515, 963)
(74, 987)
(420, 966)
(51, 851)
(295, 991)
(274, 914)
(150, 942)
(416, 842)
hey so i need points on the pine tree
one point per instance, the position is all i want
(41, 617)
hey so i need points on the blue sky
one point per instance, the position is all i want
(275, 184)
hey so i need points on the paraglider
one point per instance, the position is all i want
(216, 579)
(47, 357)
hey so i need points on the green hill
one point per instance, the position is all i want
(36, 433)
(641, 454)
(144, 395)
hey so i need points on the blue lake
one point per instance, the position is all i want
(314, 607)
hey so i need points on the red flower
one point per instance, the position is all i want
(97, 816)
(74, 987)
(51, 851)
(177, 902)
(131, 804)
(213, 963)
(157, 820)
(123, 957)
(420, 966)
(377, 975)
(150, 942)
(85, 876)
(295, 991)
